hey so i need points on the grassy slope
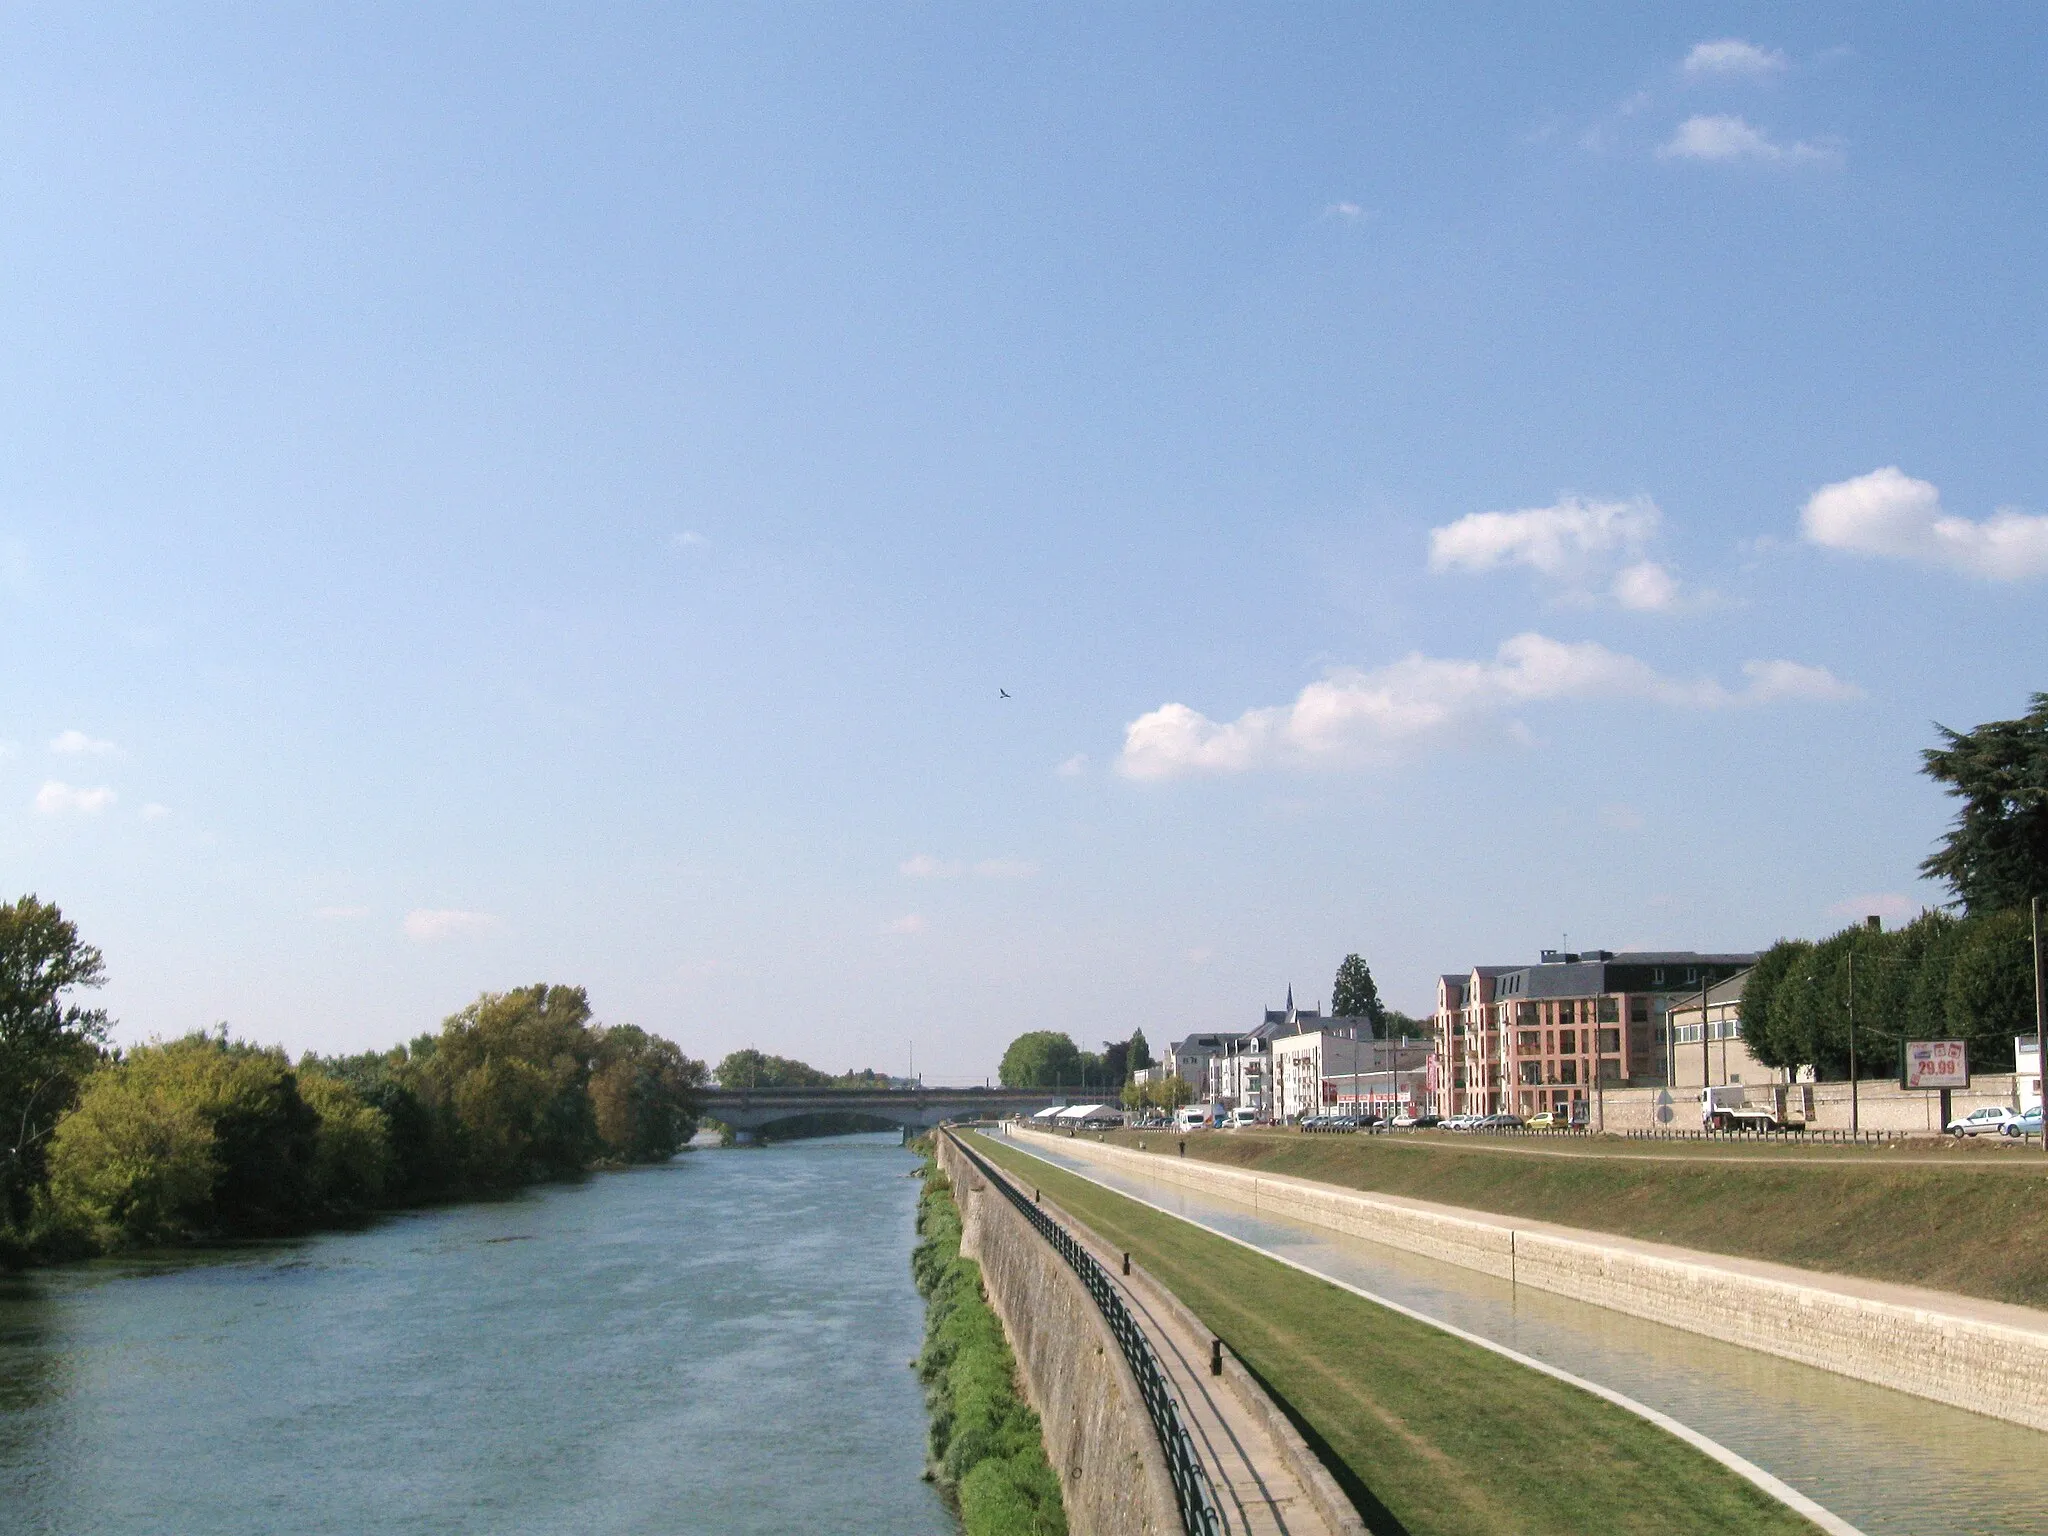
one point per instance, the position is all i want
(1965, 1228)
(1432, 1436)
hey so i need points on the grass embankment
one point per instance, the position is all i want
(987, 1450)
(1430, 1435)
(1969, 1227)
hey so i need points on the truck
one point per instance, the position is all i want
(1727, 1108)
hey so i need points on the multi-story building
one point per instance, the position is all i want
(1343, 1069)
(1236, 1068)
(1709, 1051)
(1520, 1039)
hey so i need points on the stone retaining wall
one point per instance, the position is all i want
(1967, 1361)
(1098, 1436)
(1880, 1106)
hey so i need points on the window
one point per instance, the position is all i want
(1568, 1072)
(1532, 1072)
(1691, 974)
(1531, 1041)
(1610, 1010)
(1610, 1071)
(1564, 1012)
(1610, 1041)
(1657, 977)
(1567, 1043)
(1639, 1010)
(1525, 1013)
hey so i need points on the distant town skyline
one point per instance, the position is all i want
(834, 530)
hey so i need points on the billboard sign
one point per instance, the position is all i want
(1935, 1064)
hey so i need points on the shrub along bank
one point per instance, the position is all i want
(987, 1450)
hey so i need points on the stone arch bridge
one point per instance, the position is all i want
(750, 1110)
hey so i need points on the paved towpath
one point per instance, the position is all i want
(1257, 1490)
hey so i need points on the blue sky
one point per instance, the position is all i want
(553, 493)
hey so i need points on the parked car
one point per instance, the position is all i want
(1457, 1122)
(1407, 1122)
(1548, 1120)
(2028, 1124)
(1500, 1123)
(1992, 1117)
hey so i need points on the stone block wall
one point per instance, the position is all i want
(1990, 1367)
(1098, 1436)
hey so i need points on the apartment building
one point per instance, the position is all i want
(1706, 1040)
(1344, 1070)
(1521, 1039)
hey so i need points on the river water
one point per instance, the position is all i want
(1890, 1464)
(718, 1345)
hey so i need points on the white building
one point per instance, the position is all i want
(1345, 1070)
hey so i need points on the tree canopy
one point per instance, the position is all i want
(48, 1043)
(1995, 856)
(1356, 995)
(1042, 1058)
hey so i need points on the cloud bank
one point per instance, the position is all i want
(1732, 58)
(1726, 139)
(1354, 717)
(57, 798)
(77, 743)
(1582, 548)
(1889, 514)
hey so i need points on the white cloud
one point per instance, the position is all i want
(1576, 545)
(1646, 587)
(1890, 514)
(1731, 56)
(1073, 767)
(688, 540)
(57, 798)
(341, 914)
(77, 743)
(1351, 213)
(430, 925)
(910, 923)
(1724, 138)
(1357, 716)
(156, 810)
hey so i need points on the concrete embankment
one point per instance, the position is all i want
(1113, 1478)
(1981, 1356)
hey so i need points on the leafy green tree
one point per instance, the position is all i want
(1115, 1057)
(133, 1164)
(1995, 857)
(1042, 1058)
(750, 1069)
(352, 1157)
(1991, 988)
(512, 1071)
(48, 1044)
(1356, 995)
(1137, 1054)
(642, 1088)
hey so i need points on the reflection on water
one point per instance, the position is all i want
(716, 1345)
(1891, 1464)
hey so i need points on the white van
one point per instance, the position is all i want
(1243, 1117)
(1195, 1117)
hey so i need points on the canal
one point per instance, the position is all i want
(718, 1344)
(1890, 1464)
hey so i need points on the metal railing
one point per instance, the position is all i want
(1191, 1490)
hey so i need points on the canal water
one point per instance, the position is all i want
(1890, 1464)
(718, 1344)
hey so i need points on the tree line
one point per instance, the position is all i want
(207, 1136)
(1967, 975)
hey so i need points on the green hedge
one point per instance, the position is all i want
(987, 1452)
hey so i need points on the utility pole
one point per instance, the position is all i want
(1706, 1050)
(1853, 1122)
(2040, 1022)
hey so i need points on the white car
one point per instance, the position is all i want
(1991, 1118)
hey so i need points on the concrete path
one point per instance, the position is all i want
(1259, 1485)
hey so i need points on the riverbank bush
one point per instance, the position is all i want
(987, 1448)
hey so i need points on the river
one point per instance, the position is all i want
(718, 1344)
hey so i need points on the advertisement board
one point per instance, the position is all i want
(1935, 1064)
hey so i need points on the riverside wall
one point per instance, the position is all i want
(1983, 1356)
(1098, 1436)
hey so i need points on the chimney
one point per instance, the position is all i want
(1874, 923)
